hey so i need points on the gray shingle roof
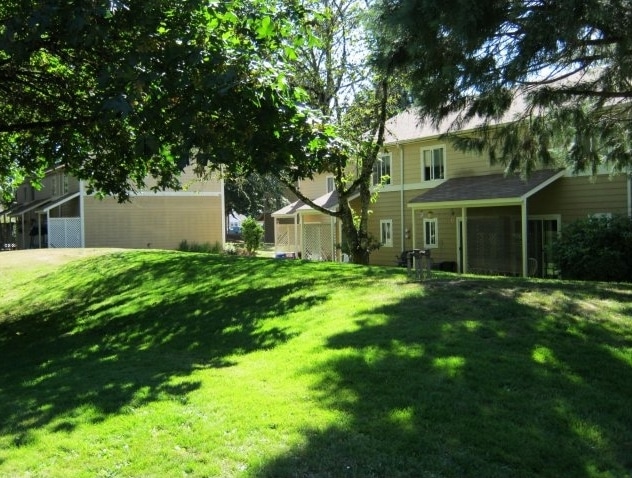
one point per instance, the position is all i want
(328, 201)
(478, 188)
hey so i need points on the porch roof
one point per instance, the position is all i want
(24, 208)
(52, 203)
(486, 190)
(328, 201)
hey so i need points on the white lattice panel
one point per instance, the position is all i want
(64, 232)
(318, 242)
(285, 237)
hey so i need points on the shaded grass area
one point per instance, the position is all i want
(163, 364)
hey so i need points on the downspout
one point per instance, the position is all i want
(630, 194)
(82, 213)
(523, 210)
(223, 206)
(464, 254)
(413, 221)
(401, 197)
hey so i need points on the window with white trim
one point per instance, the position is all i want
(330, 184)
(382, 170)
(433, 163)
(430, 233)
(386, 232)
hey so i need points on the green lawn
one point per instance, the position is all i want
(167, 364)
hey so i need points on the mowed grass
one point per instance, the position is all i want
(165, 364)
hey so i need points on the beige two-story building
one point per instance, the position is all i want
(63, 214)
(466, 212)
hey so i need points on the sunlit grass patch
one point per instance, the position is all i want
(151, 363)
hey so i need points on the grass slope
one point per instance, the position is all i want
(176, 364)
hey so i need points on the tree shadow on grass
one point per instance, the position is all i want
(112, 343)
(468, 380)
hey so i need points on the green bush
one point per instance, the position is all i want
(252, 233)
(598, 248)
(207, 247)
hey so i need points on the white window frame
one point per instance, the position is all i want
(386, 232)
(432, 167)
(381, 168)
(431, 241)
(329, 184)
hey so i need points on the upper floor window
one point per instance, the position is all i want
(433, 163)
(59, 184)
(386, 232)
(430, 233)
(382, 170)
(330, 184)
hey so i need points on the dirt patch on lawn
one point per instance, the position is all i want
(35, 257)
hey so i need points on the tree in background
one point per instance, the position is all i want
(566, 65)
(253, 195)
(355, 102)
(119, 91)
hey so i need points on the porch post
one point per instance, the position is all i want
(629, 193)
(48, 229)
(525, 264)
(24, 246)
(464, 266)
(39, 230)
(296, 244)
(332, 231)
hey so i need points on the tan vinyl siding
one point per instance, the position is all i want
(458, 163)
(190, 182)
(315, 218)
(314, 188)
(469, 163)
(387, 207)
(578, 197)
(153, 222)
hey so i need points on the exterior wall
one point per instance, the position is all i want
(494, 240)
(192, 183)
(389, 204)
(314, 188)
(153, 222)
(581, 196)
(458, 163)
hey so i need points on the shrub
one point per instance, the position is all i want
(597, 248)
(207, 247)
(252, 233)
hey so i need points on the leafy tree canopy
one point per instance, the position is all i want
(567, 65)
(119, 90)
(253, 194)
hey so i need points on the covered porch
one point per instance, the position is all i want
(303, 232)
(50, 222)
(488, 216)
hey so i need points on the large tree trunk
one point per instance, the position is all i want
(356, 235)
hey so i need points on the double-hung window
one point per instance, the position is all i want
(433, 163)
(430, 233)
(330, 184)
(382, 170)
(386, 232)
